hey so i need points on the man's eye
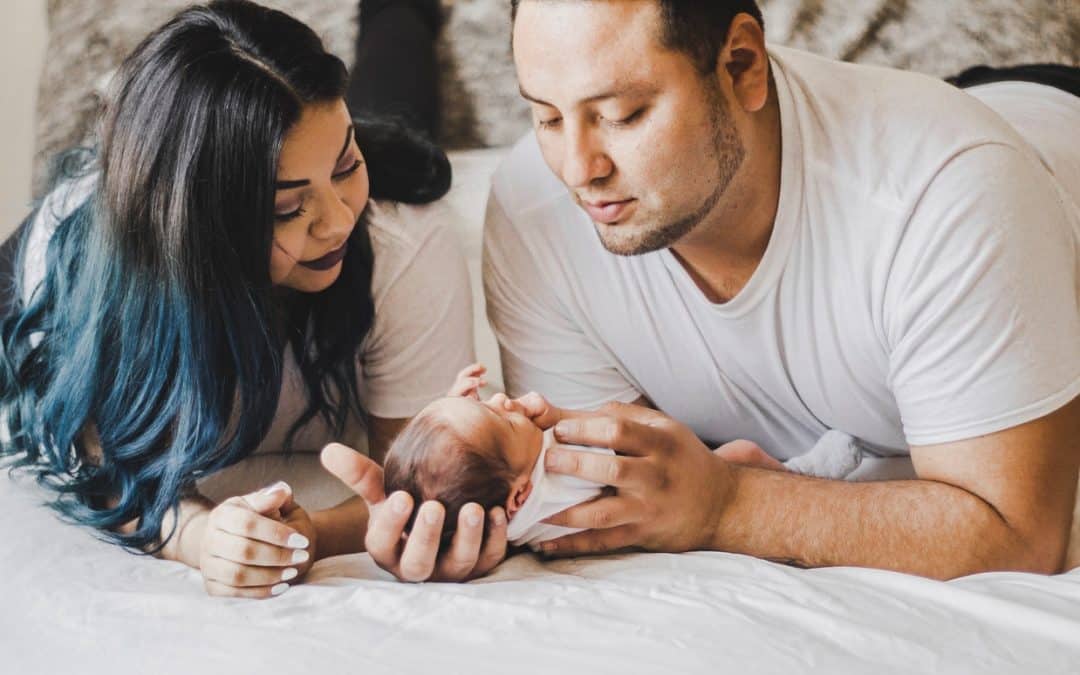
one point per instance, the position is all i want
(626, 121)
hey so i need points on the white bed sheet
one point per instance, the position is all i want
(72, 604)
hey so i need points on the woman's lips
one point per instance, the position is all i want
(327, 261)
(608, 213)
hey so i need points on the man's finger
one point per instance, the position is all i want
(494, 550)
(598, 514)
(422, 546)
(386, 525)
(545, 415)
(624, 436)
(458, 562)
(590, 542)
(640, 411)
(611, 470)
(360, 473)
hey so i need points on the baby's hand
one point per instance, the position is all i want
(254, 545)
(469, 381)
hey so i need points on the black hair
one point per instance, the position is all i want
(698, 28)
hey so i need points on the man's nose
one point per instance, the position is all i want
(584, 161)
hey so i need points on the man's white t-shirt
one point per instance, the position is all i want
(920, 285)
(421, 335)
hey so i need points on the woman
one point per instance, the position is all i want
(236, 269)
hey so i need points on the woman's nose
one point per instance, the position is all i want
(336, 219)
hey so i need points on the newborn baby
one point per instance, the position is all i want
(460, 449)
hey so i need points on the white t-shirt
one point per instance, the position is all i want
(920, 285)
(421, 336)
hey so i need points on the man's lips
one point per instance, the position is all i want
(608, 213)
(327, 261)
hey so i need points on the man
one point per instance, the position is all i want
(765, 245)
(781, 245)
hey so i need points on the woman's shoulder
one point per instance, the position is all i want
(411, 241)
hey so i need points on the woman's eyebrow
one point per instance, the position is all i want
(293, 184)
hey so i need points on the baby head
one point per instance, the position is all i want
(460, 450)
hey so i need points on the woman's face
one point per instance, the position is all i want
(321, 190)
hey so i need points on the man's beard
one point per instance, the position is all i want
(729, 155)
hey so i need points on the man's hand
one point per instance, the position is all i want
(669, 489)
(414, 557)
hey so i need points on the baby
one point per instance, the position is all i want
(460, 449)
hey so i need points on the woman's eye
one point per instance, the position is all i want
(549, 124)
(345, 173)
(289, 215)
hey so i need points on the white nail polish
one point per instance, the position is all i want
(279, 486)
(297, 541)
(279, 589)
(289, 574)
(300, 556)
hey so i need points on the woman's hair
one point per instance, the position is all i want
(431, 461)
(156, 325)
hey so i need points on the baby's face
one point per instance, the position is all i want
(489, 424)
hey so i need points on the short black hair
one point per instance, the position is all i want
(698, 28)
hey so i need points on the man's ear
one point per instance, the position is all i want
(745, 62)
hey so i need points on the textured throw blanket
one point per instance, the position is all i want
(481, 106)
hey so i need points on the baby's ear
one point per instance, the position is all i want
(518, 496)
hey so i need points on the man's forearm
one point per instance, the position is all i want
(918, 527)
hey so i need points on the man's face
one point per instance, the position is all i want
(643, 140)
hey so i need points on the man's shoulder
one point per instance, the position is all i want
(883, 132)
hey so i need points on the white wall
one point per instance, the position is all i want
(22, 50)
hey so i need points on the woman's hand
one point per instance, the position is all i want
(415, 557)
(469, 381)
(253, 546)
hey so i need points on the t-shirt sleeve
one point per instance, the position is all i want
(422, 334)
(542, 347)
(981, 309)
(57, 205)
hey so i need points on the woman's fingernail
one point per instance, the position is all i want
(279, 589)
(279, 486)
(300, 557)
(297, 541)
(400, 503)
(289, 574)
(431, 516)
(472, 520)
(498, 519)
(562, 428)
(551, 460)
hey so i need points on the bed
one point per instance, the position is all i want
(72, 604)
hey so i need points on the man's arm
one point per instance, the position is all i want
(1000, 502)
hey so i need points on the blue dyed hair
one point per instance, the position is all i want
(156, 325)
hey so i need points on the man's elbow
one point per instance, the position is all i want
(1042, 551)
